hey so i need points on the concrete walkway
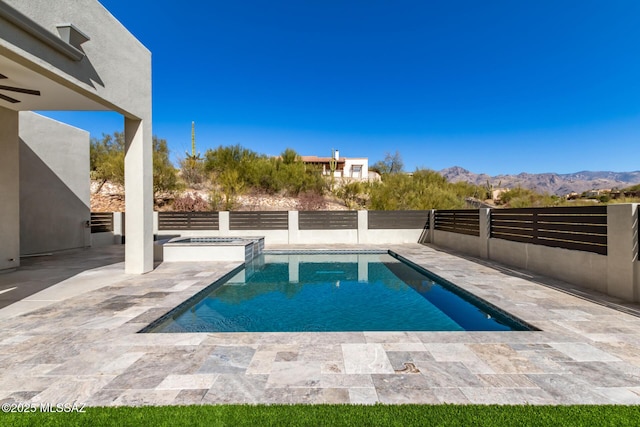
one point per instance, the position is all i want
(77, 342)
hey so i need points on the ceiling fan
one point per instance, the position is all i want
(15, 89)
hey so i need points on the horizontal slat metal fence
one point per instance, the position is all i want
(188, 221)
(577, 228)
(327, 220)
(461, 221)
(101, 222)
(259, 220)
(379, 220)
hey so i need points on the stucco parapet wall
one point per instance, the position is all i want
(115, 70)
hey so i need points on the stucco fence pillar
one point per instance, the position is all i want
(623, 270)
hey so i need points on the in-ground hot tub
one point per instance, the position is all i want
(185, 249)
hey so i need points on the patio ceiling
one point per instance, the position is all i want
(22, 89)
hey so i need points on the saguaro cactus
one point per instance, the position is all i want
(194, 157)
(333, 163)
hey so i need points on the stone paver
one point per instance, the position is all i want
(77, 340)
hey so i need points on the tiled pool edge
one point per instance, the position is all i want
(186, 303)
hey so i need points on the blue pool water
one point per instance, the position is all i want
(333, 292)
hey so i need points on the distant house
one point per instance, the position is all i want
(497, 193)
(345, 167)
(597, 192)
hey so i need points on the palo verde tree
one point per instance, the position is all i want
(424, 189)
(107, 158)
(285, 174)
(107, 162)
(165, 178)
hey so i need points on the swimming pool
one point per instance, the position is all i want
(332, 292)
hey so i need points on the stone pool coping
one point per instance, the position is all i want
(79, 343)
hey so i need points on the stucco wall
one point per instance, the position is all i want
(54, 185)
(586, 269)
(637, 283)
(616, 274)
(395, 236)
(459, 242)
(351, 161)
(9, 190)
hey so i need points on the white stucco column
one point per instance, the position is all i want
(9, 190)
(485, 232)
(224, 223)
(622, 251)
(293, 227)
(118, 227)
(156, 223)
(138, 188)
(432, 227)
(363, 226)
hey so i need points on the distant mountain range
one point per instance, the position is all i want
(552, 183)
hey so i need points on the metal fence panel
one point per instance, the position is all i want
(328, 220)
(188, 221)
(259, 220)
(101, 222)
(582, 228)
(381, 220)
(461, 221)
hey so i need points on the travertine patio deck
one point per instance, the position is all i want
(77, 341)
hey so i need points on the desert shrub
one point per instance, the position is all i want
(233, 157)
(190, 203)
(352, 194)
(424, 189)
(192, 171)
(216, 200)
(285, 174)
(624, 200)
(311, 201)
(232, 186)
(525, 198)
(296, 177)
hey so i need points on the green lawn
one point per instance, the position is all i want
(337, 415)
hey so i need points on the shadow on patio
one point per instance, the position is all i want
(40, 272)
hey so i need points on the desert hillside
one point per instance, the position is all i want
(551, 183)
(110, 198)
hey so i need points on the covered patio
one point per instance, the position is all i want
(74, 58)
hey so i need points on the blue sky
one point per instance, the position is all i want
(492, 86)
